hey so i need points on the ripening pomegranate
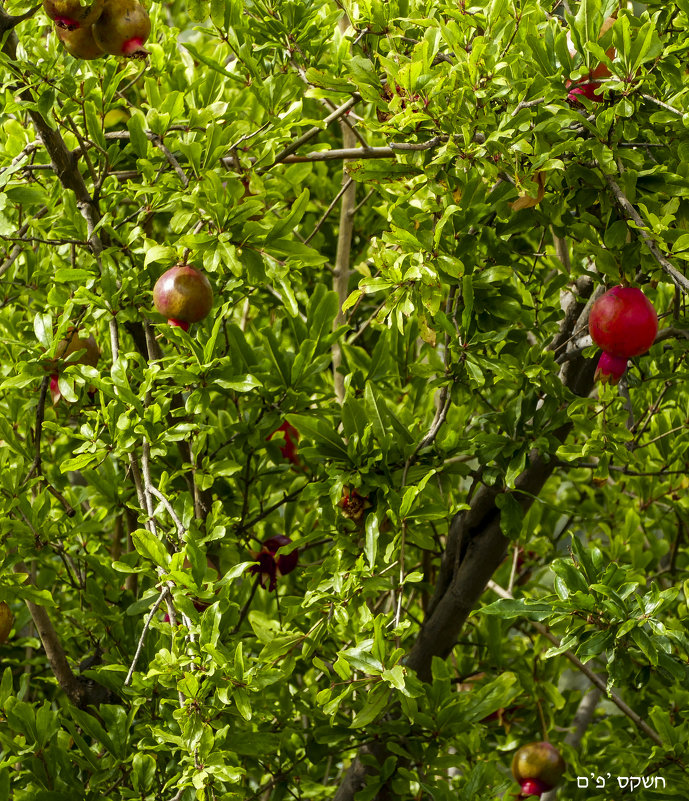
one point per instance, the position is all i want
(122, 28)
(538, 767)
(71, 15)
(590, 86)
(80, 42)
(623, 322)
(183, 295)
(269, 566)
(72, 344)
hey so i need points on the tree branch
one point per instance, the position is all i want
(630, 213)
(81, 692)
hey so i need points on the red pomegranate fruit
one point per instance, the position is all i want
(80, 42)
(623, 322)
(183, 295)
(70, 15)
(269, 566)
(590, 86)
(537, 767)
(122, 28)
(289, 449)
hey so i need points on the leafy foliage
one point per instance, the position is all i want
(133, 509)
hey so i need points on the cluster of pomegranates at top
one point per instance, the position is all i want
(623, 323)
(115, 27)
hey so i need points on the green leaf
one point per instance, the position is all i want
(136, 125)
(322, 432)
(372, 534)
(488, 698)
(150, 547)
(143, 772)
(92, 727)
(360, 658)
(43, 328)
(645, 645)
(508, 608)
(376, 701)
(377, 413)
(66, 275)
(570, 576)
(595, 645)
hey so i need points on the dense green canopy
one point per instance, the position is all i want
(405, 211)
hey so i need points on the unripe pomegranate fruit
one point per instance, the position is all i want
(183, 295)
(289, 449)
(538, 767)
(71, 15)
(6, 621)
(80, 43)
(623, 322)
(68, 346)
(269, 566)
(590, 87)
(122, 28)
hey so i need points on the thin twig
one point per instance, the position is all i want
(631, 213)
(164, 593)
(326, 213)
(312, 132)
(170, 510)
(172, 161)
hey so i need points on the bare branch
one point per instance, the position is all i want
(164, 594)
(172, 161)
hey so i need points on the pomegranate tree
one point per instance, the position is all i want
(183, 295)
(623, 323)
(538, 767)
